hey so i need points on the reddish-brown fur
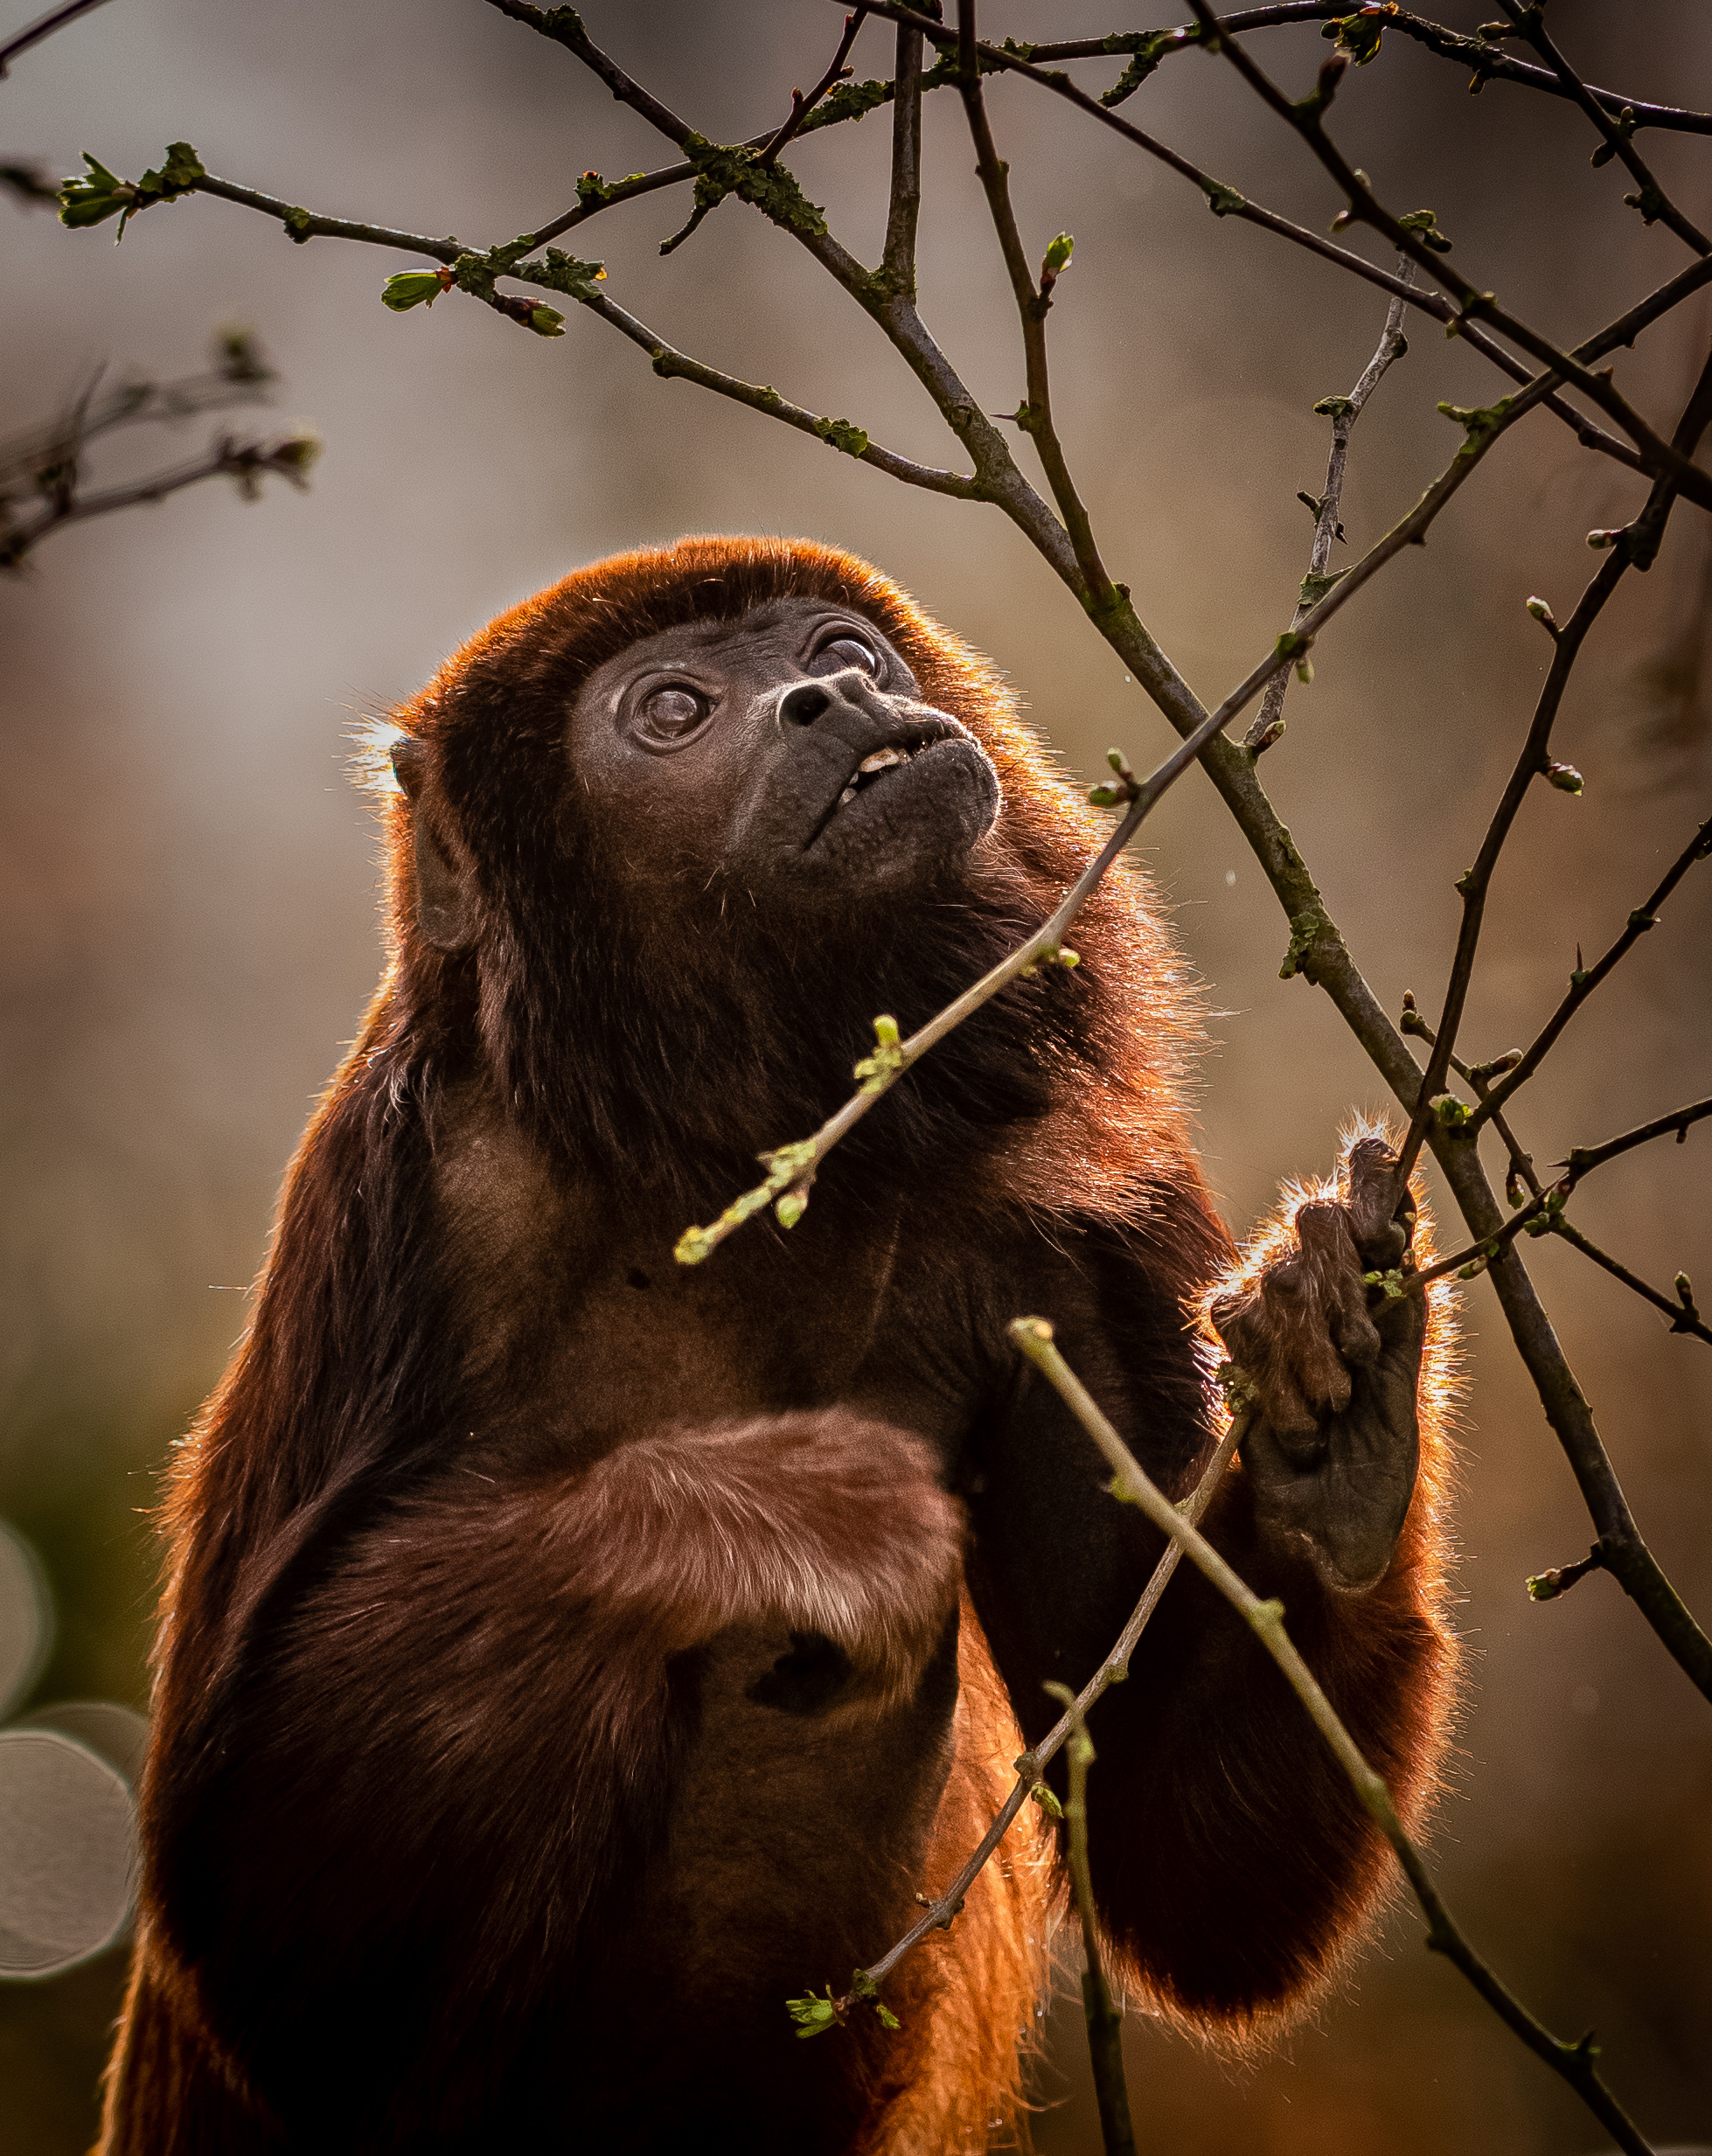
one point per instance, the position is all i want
(465, 1825)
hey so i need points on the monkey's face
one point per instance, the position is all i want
(789, 747)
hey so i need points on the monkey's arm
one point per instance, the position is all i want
(1229, 1857)
(449, 1790)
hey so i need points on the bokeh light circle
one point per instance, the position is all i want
(27, 1618)
(68, 1853)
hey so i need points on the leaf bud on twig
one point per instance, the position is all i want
(1544, 615)
(1564, 776)
(1056, 261)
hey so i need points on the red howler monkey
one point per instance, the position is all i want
(569, 1655)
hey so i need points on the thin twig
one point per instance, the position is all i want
(943, 1909)
(1100, 2011)
(1584, 1159)
(1683, 1315)
(1543, 1210)
(1651, 199)
(1033, 300)
(1328, 526)
(43, 26)
(1584, 981)
(1489, 61)
(1574, 2062)
(801, 107)
(1531, 763)
(245, 462)
(1472, 302)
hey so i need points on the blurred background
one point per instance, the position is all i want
(188, 877)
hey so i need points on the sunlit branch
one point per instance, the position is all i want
(1573, 2062)
(945, 1907)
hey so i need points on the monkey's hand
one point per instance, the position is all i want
(1334, 1453)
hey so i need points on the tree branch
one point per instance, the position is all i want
(1471, 303)
(43, 26)
(1651, 199)
(1032, 302)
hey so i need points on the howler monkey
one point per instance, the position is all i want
(569, 1655)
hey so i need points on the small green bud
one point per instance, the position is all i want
(1049, 1803)
(1425, 223)
(1564, 776)
(1544, 615)
(1449, 1110)
(814, 2016)
(886, 1031)
(791, 1208)
(693, 1246)
(546, 322)
(414, 287)
(1059, 253)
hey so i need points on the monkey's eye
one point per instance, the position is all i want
(843, 651)
(671, 714)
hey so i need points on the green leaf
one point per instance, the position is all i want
(1059, 253)
(814, 2016)
(412, 287)
(90, 197)
(1358, 35)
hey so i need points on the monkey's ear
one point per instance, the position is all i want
(445, 905)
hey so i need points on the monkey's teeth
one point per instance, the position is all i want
(849, 794)
(882, 760)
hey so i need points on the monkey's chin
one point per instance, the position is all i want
(912, 827)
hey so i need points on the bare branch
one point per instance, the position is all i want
(1651, 200)
(839, 433)
(1471, 303)
(1681, 1312)
(43, 26)
(1531, 764)
(565, 27)
(1227, 202)
(245, 462)
(1032, 301)
(1328, 528)
(801, 107)
(1584, 981)
(1583, 1160)
(904, 207)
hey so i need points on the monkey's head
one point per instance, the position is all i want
(787, 752)
(679, 826)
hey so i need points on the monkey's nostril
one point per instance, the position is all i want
(804, 703)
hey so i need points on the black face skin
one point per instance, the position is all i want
(739, 741)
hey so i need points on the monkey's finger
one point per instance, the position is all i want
(1378, 1221)
(1302, 1348)
(1329, 1250)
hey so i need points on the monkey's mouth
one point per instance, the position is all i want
(880, 767)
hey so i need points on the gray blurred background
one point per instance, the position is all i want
(189, 877)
